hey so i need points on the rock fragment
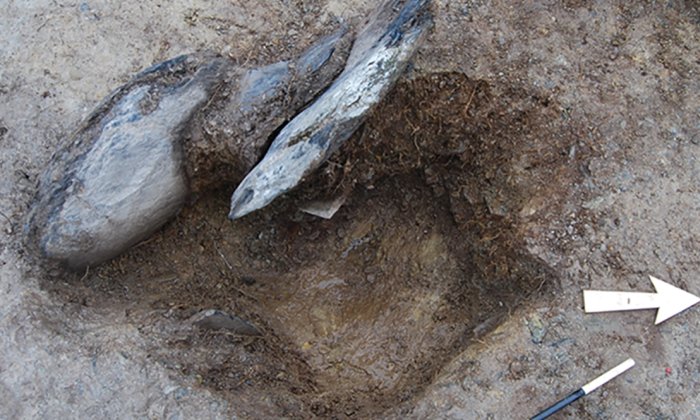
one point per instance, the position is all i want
(212, 319)
(324, 209)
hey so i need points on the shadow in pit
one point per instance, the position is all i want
(360, 312)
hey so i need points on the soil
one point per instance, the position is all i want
(531, 151)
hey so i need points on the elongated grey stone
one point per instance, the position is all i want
(130, 167)
(212, 319)
(378, 57)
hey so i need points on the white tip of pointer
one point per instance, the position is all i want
(607, 376)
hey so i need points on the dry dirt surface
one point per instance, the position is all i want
(533, 150)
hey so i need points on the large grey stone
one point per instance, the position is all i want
(120, 177)
(130, 167)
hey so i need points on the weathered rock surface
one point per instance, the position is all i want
(127, 170)
(121, 176)
(379, 56)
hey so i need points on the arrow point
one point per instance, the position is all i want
(672, 300)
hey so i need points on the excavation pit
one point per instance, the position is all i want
(357, 313)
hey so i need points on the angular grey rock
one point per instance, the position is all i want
(133, 163)
(324, 209)
(378, 57)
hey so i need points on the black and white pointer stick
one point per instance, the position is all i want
(586, 389)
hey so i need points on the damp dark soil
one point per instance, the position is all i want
(360, 312)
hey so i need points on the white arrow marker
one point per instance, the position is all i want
(669, 300)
